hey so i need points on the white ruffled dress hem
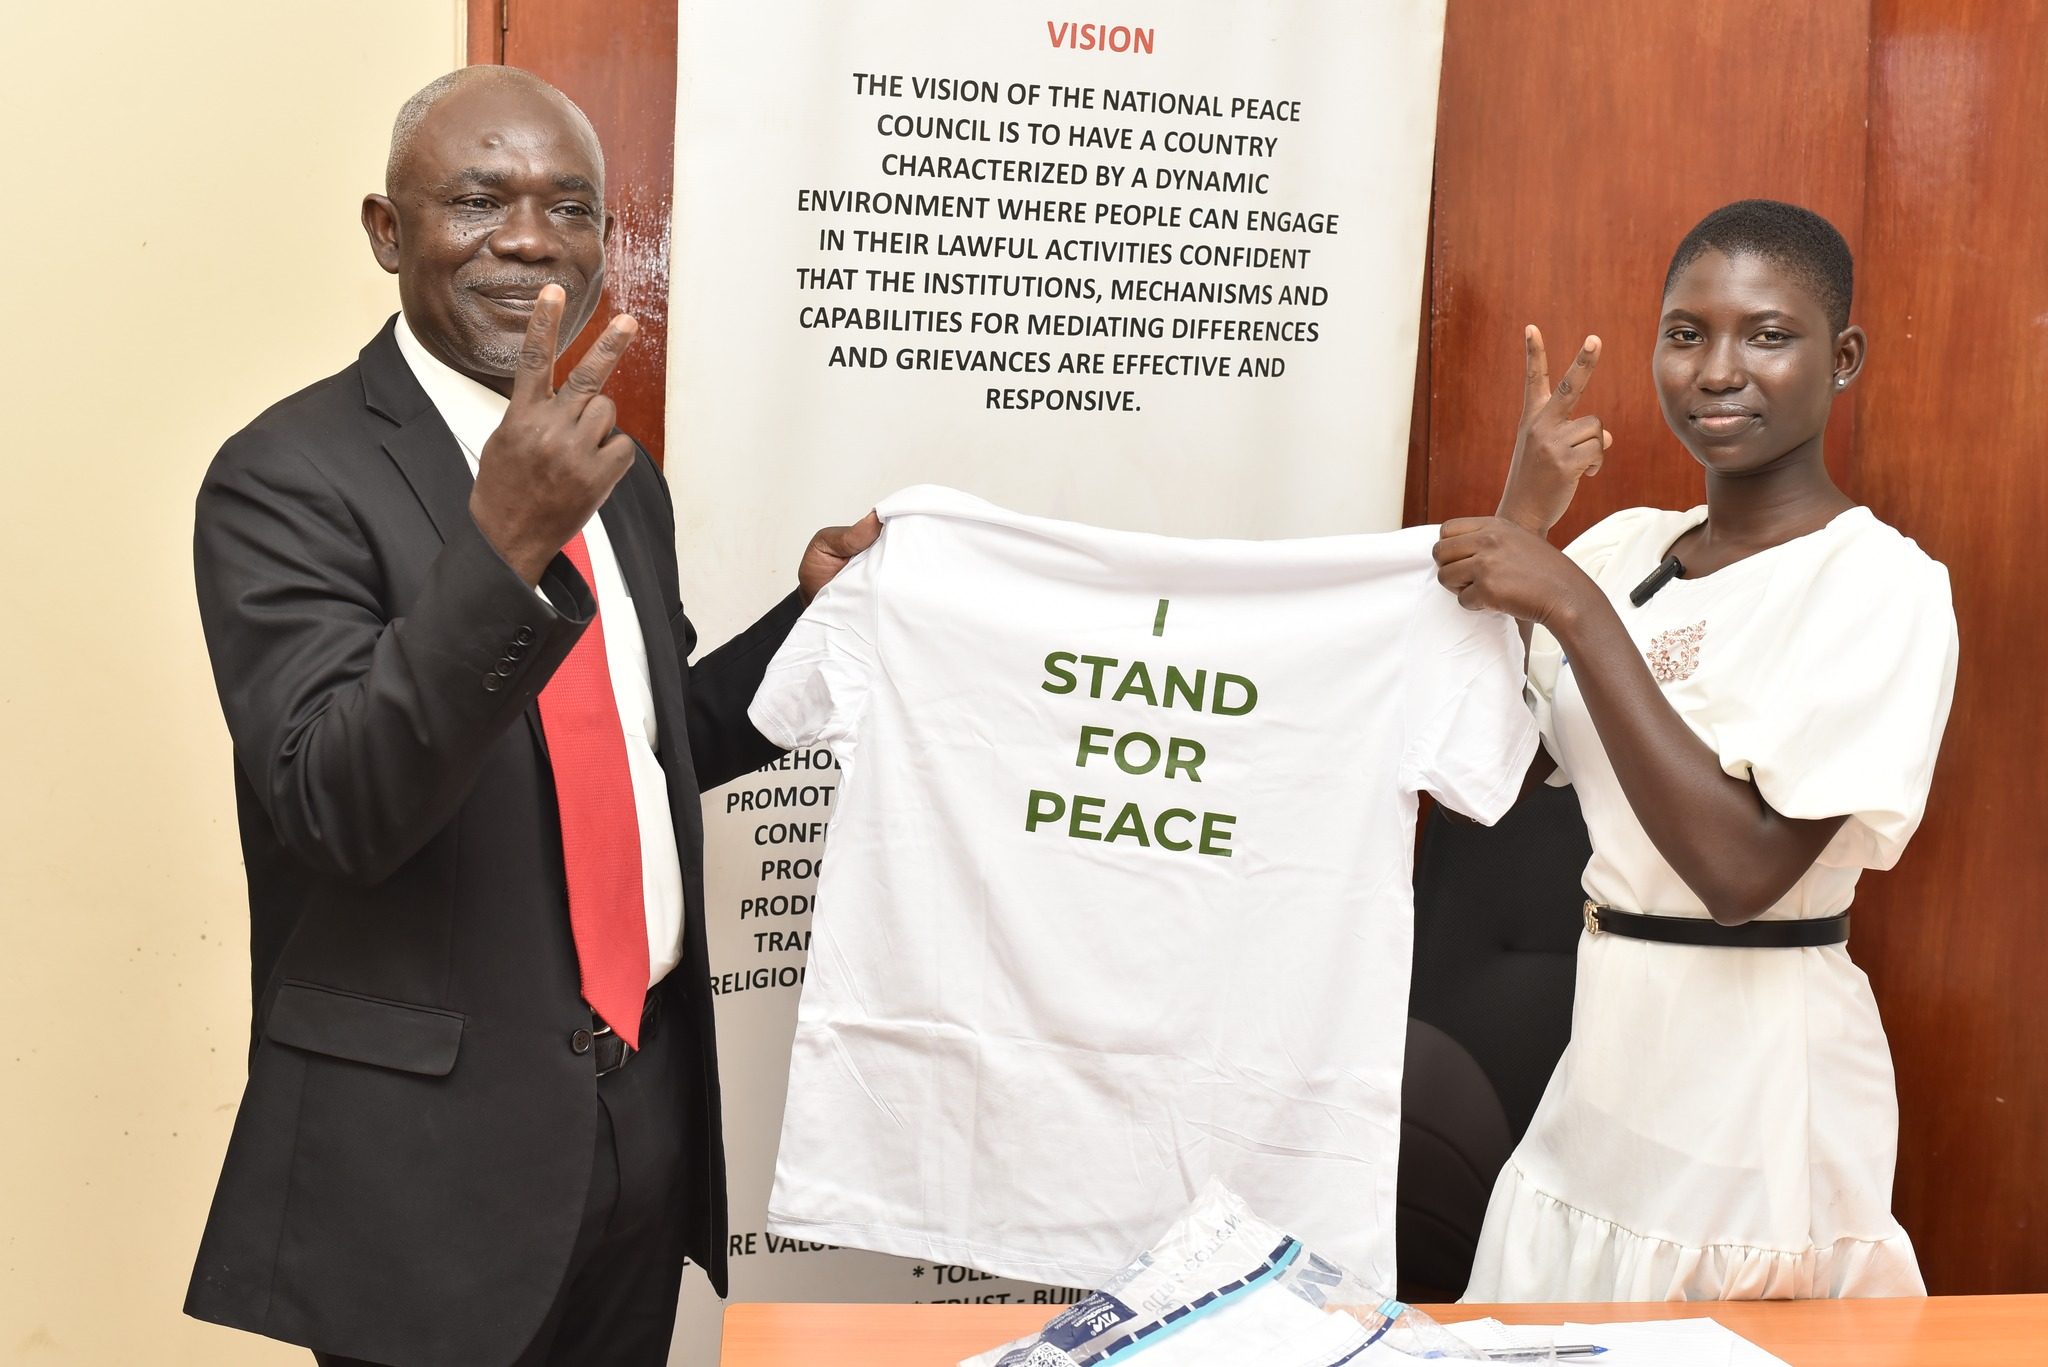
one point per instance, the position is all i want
(1538, 1248)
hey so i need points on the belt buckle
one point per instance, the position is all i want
(625, 1050)
(1592, 911)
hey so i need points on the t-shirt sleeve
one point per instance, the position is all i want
(1592, 550)
(1846, 716)
(816, 687)
(1470, 734)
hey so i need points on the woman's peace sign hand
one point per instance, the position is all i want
(1554, 448)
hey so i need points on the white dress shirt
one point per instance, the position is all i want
(473, 413)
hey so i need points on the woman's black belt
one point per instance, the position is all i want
(1701, 930)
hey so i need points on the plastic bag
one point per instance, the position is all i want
(1222, 1288)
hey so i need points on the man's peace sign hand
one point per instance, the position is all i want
(1554, 448)
(555, 457)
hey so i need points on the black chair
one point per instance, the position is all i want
(1497, 921)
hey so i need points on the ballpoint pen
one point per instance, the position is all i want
(1563, 1350)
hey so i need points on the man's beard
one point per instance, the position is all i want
(495, 353)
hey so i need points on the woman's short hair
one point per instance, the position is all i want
(1797, 240)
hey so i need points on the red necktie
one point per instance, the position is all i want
(600, 827)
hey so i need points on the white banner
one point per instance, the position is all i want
(1160, 273)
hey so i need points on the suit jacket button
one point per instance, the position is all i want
(524, 636)
(580, 1042)
(493, 682)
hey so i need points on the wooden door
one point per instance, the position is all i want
(1575, 146)
(1953, 430)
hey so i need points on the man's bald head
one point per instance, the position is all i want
(495, 190)
(503, 81)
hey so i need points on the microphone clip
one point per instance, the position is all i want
(1656, 579)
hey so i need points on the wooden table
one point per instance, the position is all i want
(1945, 1331)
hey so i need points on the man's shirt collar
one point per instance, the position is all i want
(471, 410)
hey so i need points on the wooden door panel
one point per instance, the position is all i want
(1575, 146)
(1542, 216)
(1954, 427)
(618, 61)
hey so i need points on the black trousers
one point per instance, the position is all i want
(617, 1303)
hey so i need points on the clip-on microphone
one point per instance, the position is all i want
(1658, 578)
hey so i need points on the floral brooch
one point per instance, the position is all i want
(1675, 654)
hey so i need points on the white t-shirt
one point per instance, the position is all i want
(1117, 898)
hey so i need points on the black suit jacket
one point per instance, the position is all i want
(413, 1149)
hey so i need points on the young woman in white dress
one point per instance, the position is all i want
(1744, 742)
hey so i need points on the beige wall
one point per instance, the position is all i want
(181, 250)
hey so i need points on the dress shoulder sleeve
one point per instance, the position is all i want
(1850, 695)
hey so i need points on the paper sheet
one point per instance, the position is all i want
(1649, 1343)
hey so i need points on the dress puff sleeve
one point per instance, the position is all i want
(1850, 696)
(1592, 550)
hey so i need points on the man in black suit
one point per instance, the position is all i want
(481, 1125)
